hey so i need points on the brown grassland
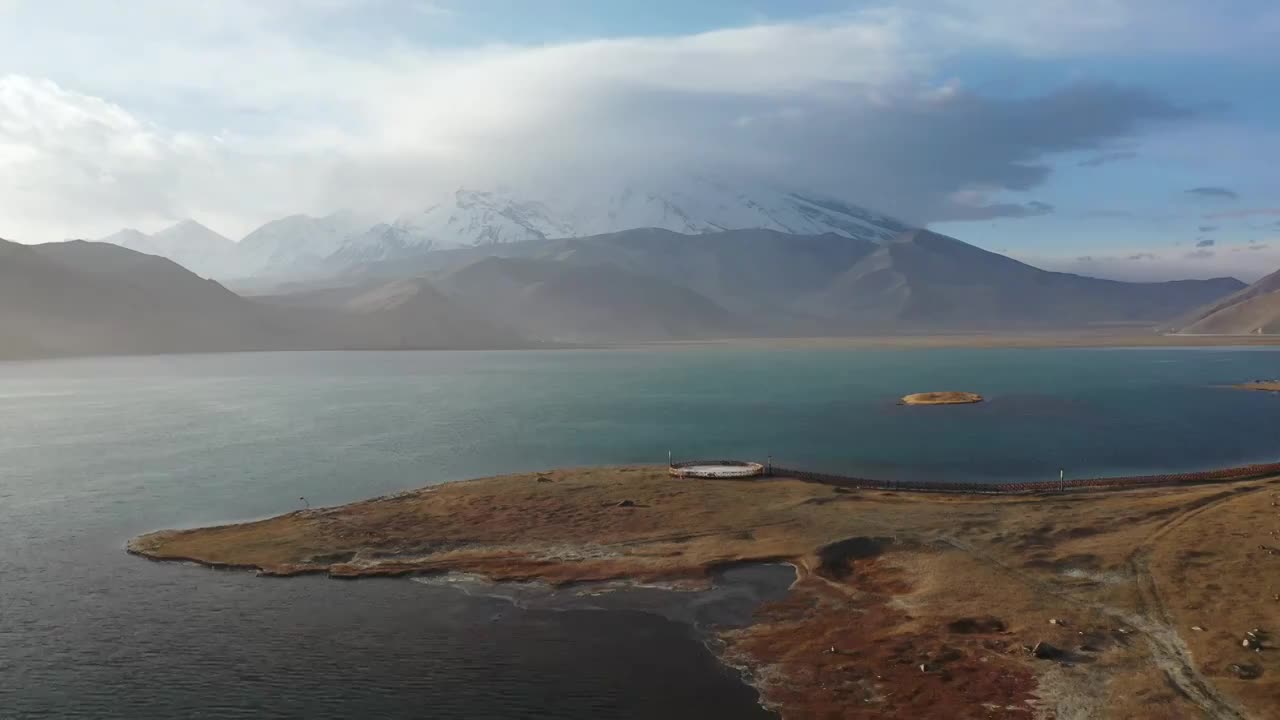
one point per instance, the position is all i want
(905, 605)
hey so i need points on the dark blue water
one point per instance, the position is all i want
(95, 451)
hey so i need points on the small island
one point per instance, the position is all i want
(942, 398)
(1150, 602)
(1261, 386)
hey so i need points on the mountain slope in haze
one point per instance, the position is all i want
(400, 314)
(79, 298)
(754, 274)
(1253, 310)
(690, 206)
(295, 244)
(924, 281)
(86, 298)
(188, 243)
(577, 302)
(778, 284)
(82, 298)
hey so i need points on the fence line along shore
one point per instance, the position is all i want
(745, 470)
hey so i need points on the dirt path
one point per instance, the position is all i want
(1151, 621)
(1154, 621)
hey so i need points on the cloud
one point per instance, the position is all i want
(302, 116)
(1206, 242)
(974, 205)
(1107, 157)
(1213, 192)
(1246, 262)
(76, 165)
(1207, 228)
(1249, 212)
(1116, 28)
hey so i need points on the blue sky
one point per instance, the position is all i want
(1127, 138)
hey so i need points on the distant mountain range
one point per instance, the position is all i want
(300, 246)
(484, 269)
(78, 298)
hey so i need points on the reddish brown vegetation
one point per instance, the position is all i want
(1108, 584)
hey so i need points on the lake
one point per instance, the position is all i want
(95, 451)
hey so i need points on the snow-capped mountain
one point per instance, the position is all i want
(187, 243)
(378, 242)
(302, 245)
(696, 205)
(295, 243)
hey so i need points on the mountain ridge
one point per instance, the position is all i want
(1254, 310)
(87, 298)
(775, 284)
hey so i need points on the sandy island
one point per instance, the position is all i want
(1261, 386)
(942, 398)
(1123, 604)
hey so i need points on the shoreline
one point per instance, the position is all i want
(1028, 341)
(938, 593)
(676, 603)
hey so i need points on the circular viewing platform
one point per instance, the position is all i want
(716, 469)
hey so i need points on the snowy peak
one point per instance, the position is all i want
(693, 205)
(475, 217)
(845, 219)
(378, 242)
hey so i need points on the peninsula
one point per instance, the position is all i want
(1153, 602)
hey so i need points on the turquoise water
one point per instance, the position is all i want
(95, 451)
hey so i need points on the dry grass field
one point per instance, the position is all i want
(1152, 603)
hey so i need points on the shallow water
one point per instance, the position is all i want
(95, 451)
